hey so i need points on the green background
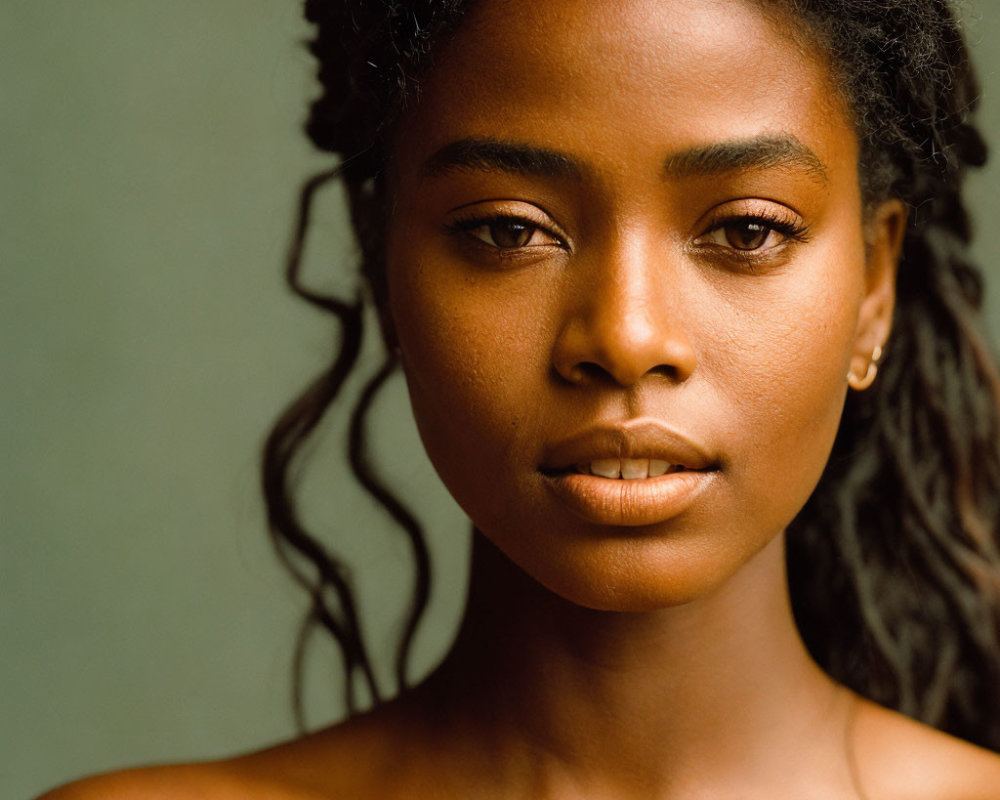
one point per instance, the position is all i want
(150, 160)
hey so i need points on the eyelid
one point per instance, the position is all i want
(754, 208)
(484, 212)
(779, 217)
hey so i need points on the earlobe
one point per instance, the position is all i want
(885, 233)
(859, 384)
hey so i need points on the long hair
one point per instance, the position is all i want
(894, 565)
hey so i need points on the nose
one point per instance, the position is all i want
(625, 323)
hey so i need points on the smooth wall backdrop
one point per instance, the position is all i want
(150, 160)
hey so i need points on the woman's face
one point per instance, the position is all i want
(628, 272)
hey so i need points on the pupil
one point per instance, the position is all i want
(510, 233)
(748, 235)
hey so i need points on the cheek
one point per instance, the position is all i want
(769, 388)
(459, 342)
(472, 353)
(787, 356)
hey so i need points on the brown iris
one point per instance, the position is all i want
(747, 235)
(510, 233)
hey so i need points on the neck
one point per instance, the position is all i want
(635, 700)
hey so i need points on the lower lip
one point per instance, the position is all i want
(630, 503)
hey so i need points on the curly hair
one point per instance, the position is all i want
(894, 563)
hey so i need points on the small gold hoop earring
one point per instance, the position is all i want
(860, 384)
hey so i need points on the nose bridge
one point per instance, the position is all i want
(624, 308)
(629, 322)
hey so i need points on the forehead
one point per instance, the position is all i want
(613, 80)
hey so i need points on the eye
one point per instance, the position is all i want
(747, 234)
(753, 233)
(506, 232)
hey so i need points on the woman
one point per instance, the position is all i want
(633, 257)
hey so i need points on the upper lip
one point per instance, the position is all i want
(631, 439)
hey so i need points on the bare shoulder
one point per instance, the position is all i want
(174, 782)
(349, 760)
(900, 758)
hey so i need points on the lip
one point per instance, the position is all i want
(638, 438)
(628, 503)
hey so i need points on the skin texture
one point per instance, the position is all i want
(610, 651)
(638, 312)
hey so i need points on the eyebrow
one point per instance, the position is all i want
(762, 152)
(487, 155)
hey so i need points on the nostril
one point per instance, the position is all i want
(590, 372)
(588, 352)
(586, 372)
(665, 371)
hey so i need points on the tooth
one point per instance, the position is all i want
(635, 468)
(606, 467)
(657, 467)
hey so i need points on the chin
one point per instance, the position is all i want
(639, 572)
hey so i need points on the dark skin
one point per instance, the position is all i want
(643, 217)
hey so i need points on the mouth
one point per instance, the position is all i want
(630, 450)
(628, 469)
(640, 472)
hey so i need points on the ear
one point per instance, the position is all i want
(884, 234)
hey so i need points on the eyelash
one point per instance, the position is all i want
(466, 225)
(789, 230)
(786, 228)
